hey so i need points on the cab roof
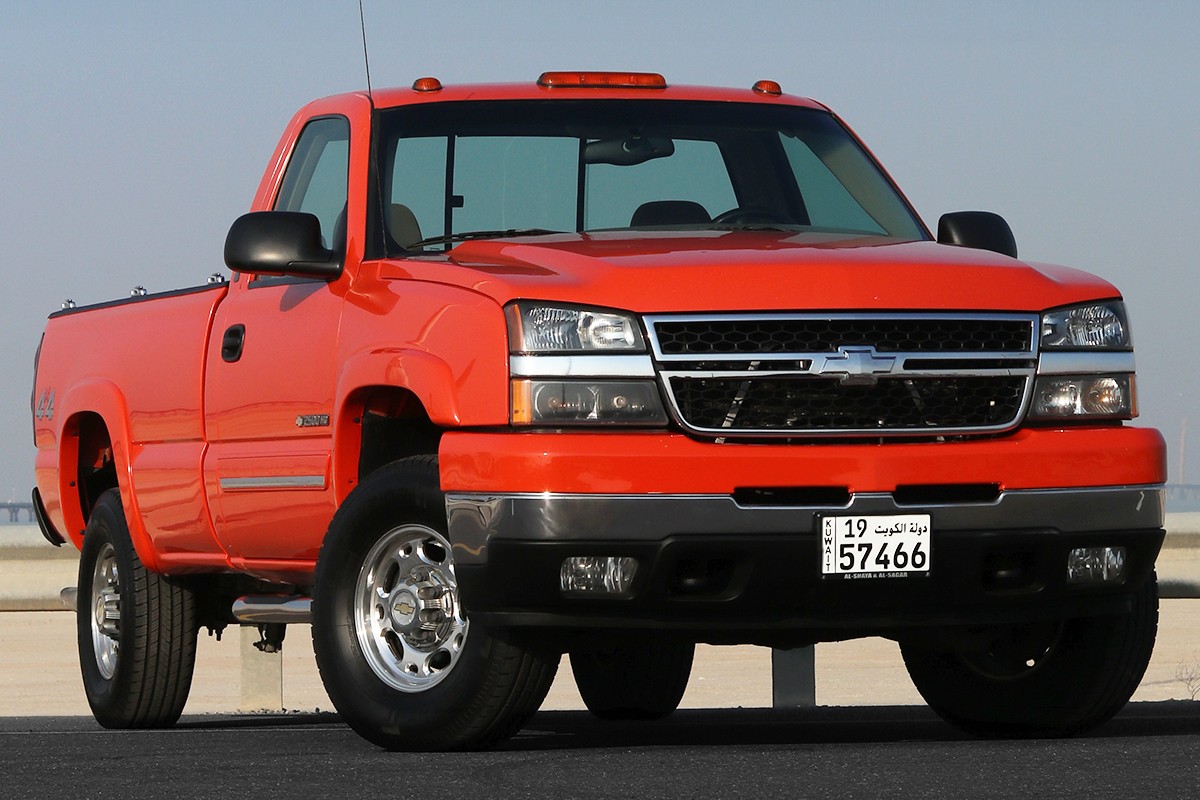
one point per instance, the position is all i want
(591, 85)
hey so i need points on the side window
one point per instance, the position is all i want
(315, 181)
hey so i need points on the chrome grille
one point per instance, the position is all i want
(816, 404)
(706, 337)
(843, 374)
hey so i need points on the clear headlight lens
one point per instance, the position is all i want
(1076, 396)
(586, 402)
(542, 328)
(1101, 326)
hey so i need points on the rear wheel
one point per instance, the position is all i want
(1041, 679)
(136, 629)
(633, 680)
(399, 658)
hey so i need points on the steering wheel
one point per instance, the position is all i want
(752, 215)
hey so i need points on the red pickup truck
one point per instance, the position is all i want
(603, 366)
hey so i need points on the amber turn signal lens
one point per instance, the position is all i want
(603, 80)
(427, 85)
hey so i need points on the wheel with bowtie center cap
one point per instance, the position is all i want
(401, 660)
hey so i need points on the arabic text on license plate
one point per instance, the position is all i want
(875, 546)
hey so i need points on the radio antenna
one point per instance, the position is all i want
(382, 212)
(362, 21)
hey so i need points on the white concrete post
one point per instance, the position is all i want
(261, 674)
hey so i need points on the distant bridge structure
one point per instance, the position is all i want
(15, 510)
(1180, 495)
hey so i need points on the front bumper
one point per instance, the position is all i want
(725, 534)
(712, 569)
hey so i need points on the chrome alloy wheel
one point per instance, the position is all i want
(406, 612)
(106, 612)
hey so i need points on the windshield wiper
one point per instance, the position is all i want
(751, 226)
(464, 236)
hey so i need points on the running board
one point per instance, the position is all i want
(264, 609)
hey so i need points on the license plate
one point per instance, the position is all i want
(875, 546)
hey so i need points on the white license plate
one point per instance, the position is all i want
(876, 546)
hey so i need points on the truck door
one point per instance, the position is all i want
(271, 374)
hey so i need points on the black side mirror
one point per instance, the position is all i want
(280, 243)
(982, 230)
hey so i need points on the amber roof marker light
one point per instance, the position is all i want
(768, 87)
(427, 85)
(602, 80)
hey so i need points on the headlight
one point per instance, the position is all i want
(1059, 397)
(1099, 326)
(586, 402)
(575, 366)
(1085, 369)
(543, 328)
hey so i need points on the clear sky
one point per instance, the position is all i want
(133, 133)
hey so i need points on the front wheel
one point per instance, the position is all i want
(1041, 679)
(136, 629)
(401, 661)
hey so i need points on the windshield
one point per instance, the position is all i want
(453, 171)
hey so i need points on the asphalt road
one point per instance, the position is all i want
(1150, 750)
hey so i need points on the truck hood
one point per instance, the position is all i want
(750, 271)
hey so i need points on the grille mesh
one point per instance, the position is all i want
(810, 335)
(820, 404)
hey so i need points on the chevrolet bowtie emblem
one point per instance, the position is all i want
(854, 366)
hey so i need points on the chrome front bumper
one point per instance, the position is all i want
(478, 521)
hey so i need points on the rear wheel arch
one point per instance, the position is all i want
(86, 467)
(93, 458)
(94, 463)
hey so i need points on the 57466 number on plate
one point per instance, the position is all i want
(875, 546)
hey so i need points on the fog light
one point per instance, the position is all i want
(603, 574)
(1096, 565)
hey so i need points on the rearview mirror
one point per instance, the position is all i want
(982, 230)
(628, 151)
(280, 243)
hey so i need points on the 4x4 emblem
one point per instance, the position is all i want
(854, 366)
(45, 406)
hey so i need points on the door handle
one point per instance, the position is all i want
(232, 341)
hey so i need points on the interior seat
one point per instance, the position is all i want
(403, 225)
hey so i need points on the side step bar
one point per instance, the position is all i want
(283, 609)
(255, 609)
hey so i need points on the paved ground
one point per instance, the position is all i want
(889, 753)
(39, 673)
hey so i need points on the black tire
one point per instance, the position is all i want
(400, 661)
(642, 679)
(136, 629)
(1047, 679)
